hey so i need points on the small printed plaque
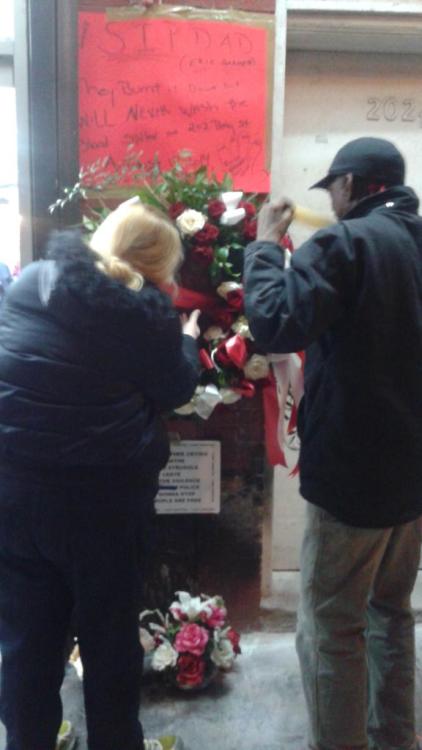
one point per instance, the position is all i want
(190, 483)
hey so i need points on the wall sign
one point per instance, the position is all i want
(190, 483)
(166, 84)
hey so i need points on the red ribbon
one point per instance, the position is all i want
(275, 455)
(206, 360)
(236, 350)
(187, 299)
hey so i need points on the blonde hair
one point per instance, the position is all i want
(135, 243)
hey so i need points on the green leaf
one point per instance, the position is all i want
(215, 272)
(221, 253)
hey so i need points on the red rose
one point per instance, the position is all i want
(234, 639)
(216, 209)
(204, 254)
(249, 229)
(176, 209)
(234, 300)
(249, 209)
(207, 234)
(190, 670)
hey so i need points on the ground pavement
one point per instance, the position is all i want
(257, 706)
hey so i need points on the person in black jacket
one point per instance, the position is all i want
(352, 298)
(92, 352)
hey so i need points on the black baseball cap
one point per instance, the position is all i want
(372, 158)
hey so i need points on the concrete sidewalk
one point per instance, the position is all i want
(257, 706)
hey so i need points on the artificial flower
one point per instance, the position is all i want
(222, 653)
(241, 326)
(188, 606)
(250, 229)
(256, 367)
(192, 638)
(147, 640)
(190, 670)
(215, 617)
(176, 209)
(234, 638)
(250, 209)
(235, 299)
(203, 254)
(228, 287)
(190, 221)
(215, 209)
(213, 333)
(164, 656)
(208, 233)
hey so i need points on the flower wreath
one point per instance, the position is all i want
(215, 223)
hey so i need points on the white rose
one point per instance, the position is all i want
(164, 656)
(213, 333)
(226, 287)
(256, 367)
(190, 221)
(147, 640)
(223, 654)
(241, 326)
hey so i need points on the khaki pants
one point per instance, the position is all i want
(355, 637)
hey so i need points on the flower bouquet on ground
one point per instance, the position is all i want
(191, 642)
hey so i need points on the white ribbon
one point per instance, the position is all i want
(287, 369)
(232, 215)
(206, 401)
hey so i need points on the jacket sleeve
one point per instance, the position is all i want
(289, 309)
(167, 364)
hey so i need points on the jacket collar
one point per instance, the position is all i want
(398, 198)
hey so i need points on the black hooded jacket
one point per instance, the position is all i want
(353, 299)
(87, 366)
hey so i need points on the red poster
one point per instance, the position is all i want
(167, 85)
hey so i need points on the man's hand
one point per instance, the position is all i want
(190, 324)
(274, 219)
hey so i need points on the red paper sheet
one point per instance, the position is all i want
(167, 85)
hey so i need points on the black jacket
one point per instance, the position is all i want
(86, 370)
(353, 299)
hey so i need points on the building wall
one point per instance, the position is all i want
(217, 553)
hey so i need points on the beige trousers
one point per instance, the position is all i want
(355, 637)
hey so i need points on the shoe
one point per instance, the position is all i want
(167, 742)
(66, 739)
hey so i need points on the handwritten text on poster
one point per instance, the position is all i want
(166, 85)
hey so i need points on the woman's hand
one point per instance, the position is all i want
(274, 219)
(190, 324)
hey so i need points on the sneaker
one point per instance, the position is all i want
(66, 739)
(167, 742)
